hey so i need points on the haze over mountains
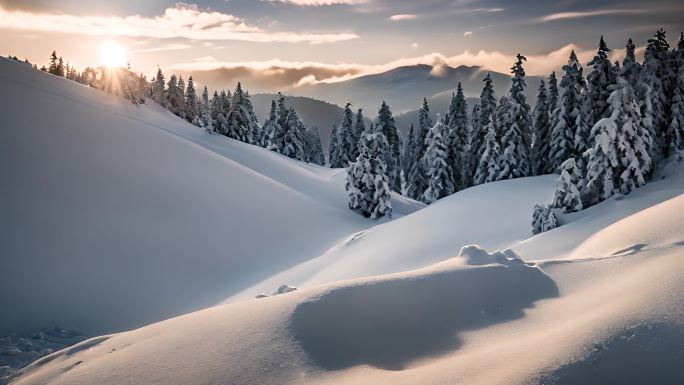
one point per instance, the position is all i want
(403, 88)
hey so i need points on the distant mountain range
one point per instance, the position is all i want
(403, 88)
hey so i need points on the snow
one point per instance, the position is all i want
(458, 292)
(135, 215)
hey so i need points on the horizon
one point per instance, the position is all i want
(280, 45)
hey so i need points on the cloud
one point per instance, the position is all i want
(318, 3)
(467, 33)
(180, 21)
(577, 15)
(167, 47)
(402, 17)
(278, 74)
(414, 45)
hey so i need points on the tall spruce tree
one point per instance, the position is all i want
(239, 119)
(271, 127)
(158, 87)
(457, 140)
(542, 133)
(600, 81)
(292, 143)
(205, 108)
(359, 129)
(387, 125)
(677, 110)
(174, 99)
(654, 92)
(569, 136)
(192, 111)
(486, 111)
(438, 167)
(367, 179)
(488, 166)
(408, 154)
(346, 137)
(515, 125)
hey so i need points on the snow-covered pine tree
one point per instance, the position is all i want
(542, 135)
(239, 118)
(292, 145)
(619, 160)
(486, 110)
(569, 134)
(192, 111)
(215, 111)
(387, 125)
(334, 149)
(457, 140)
(205, 108)
(408, 155)
(52, 68)
(159, 87)
(488, 166)
(312, 146)
(654, 79)
(438, 167)
(600, 81)
(416, 179)
(544, 219)
(367, 180)
(173, 100)
(271, 127)
(257, 134)
(346, 137)
(515, 125)
(677, 109)
(567, 196)
(359, 129)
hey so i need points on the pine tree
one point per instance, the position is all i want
(514, 160)
(486, 110)
(619, 160)
(292, 144)
(271, 127)
(544, 219)
(52, 69)
(569, 136)
(346, 138)
(173, 100)
(488, 166)
(515, 125)
(599, 83)
(60, 67)
(367, 180)
(542, 134)
(333, 149)
(677, 110)
(158, 87)
(312, 146)
(438, 168)
(387, 125)
(654, 92)
(409, 154)
(417, 178)
(631, 68)
(457, 140)
(205, 108)
(567, 196)
(359, 129)
(240, 118)
(192, 110)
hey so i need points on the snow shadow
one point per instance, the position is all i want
(647, 354)
(389, 324)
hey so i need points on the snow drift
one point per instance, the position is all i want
(115, 216)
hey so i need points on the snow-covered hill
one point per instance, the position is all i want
(403, 302)
(115, 216)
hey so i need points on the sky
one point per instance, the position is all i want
(307, 41)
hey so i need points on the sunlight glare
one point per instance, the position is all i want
(113, 55)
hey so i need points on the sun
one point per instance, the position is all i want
(113, 55)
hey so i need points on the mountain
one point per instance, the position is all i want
(115, 216)
(403, 88)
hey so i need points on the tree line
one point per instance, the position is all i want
(605, 133)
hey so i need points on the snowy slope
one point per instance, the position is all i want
(115, 216)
